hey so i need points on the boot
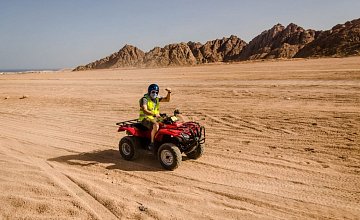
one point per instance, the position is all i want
(151, 147)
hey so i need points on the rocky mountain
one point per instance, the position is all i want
(195, 49)
(341, 40)
(277, 42)
(170, 55)
(181, 54)
(219, 50)
(128, 56)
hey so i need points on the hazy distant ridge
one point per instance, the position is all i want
(278, 42)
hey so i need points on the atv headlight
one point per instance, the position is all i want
(174, 118)
(186, 136)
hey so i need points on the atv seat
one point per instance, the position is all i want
(140, 127)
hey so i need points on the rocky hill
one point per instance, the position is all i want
(219, 50)
(225, 49)
(277, 42)
(341, 40)
(128, 56)
(170, 55)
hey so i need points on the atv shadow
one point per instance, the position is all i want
(112, 160)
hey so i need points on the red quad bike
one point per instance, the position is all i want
(172, 139)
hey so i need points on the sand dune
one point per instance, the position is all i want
(282, 143)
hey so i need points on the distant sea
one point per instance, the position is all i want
(12, 71)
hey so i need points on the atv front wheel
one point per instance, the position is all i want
(128, 148)
(197, 153)
(169, 156)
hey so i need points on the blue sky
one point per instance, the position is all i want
(67, 33)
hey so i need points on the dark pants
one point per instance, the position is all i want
(148, 123)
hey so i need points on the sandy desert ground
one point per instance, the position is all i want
(282, 143)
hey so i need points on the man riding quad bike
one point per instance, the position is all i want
(170, 139)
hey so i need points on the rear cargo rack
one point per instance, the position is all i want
(129, 122)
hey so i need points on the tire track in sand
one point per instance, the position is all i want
(65, 182)
(258, 131)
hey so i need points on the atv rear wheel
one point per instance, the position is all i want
(197, 153)
(170, 156)
(128, 148)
